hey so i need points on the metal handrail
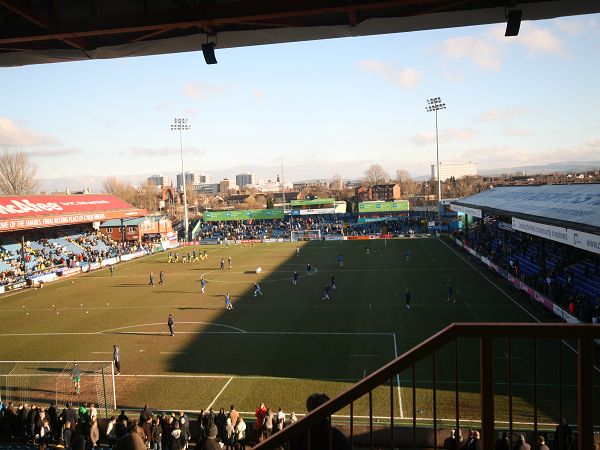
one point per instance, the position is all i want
(584, 334)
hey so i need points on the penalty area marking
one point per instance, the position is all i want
(219, 394)
(162, 323)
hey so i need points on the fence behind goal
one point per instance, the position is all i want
(45, 382)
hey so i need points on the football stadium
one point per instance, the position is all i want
(316, 322)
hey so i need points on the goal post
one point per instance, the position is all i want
(51, 382)
(305, 235)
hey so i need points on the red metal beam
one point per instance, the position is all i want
(212, 17)
(41, 22)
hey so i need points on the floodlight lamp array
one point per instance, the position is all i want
(180, 124)
(434, 104)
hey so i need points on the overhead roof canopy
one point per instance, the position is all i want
(570, 206)
(38, 211)
(45, 31)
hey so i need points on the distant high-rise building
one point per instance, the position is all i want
(159, 180)
(203, 178)
(190, 178)
(456, 170)
(242, 179)
(226, 185)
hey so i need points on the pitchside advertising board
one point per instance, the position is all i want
(579, 239)
(313, 202)
(243, 214)
(466, 210)
(18, 213)
(377, 207)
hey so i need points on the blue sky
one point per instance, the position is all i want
(325, 107)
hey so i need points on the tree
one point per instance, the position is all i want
(375, 174)
(336, 183)
(146, 197)
(121, 189)
(408, 186)
(270, 203)
(17, 173)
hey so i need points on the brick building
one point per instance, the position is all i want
(138, 229)
(381, 192)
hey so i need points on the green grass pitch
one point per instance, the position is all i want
(284, 345)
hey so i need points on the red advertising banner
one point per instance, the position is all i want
(35, 211)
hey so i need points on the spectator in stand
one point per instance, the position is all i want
(541, 443)
(229, 435)
(563, 436)
(211, 442)
(233, 415)
(319, 434)
(67, 434)
(240, 433)
(94, 433)
(268, 424)
(451, 442)
(522, 444)
(111, 431)
(260, 415)
(503, 443)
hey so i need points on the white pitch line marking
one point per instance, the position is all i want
(162, 323)
(219, 394)
(398, 379)
(505, 294)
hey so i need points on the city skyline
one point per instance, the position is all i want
(324, 107)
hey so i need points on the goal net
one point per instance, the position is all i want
(36, 382)
(306, 235)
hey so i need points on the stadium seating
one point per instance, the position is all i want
(560, 260)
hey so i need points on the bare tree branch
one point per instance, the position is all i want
(17, 173)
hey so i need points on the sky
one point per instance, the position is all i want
(322, 107)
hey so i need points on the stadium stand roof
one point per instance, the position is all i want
(570, 206)
(39, 211)
(126, 222)
(41, 31)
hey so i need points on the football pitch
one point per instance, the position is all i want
(280, 347)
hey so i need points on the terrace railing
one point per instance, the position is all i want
(577, 340)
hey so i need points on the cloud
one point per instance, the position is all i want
(506, 156)
(407, 78)
(510, 131)
(449, 135)
(501, 115)
(478, 51)
(13, 135)
(199, 91)
(424, 138)
(51, 153)
(539, 39)
(461, 135)
(576, 26)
